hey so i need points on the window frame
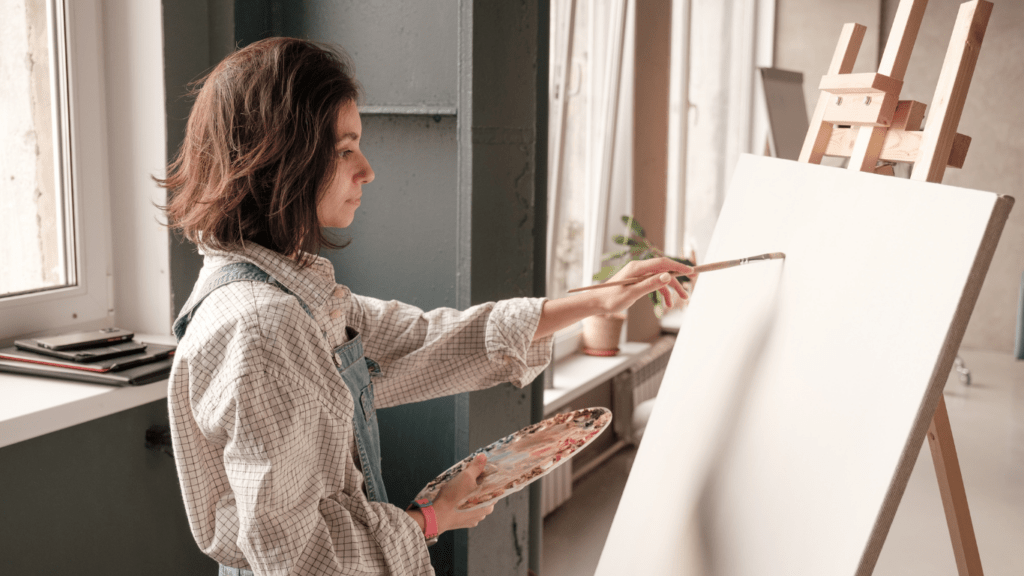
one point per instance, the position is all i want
(604, 117)
(88, 302)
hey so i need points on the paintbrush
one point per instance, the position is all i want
(696, 270)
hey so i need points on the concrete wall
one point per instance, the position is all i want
(416, 65)
(806, 32)
(503, 179)
(197, 35)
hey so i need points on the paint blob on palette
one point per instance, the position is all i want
(524, 456)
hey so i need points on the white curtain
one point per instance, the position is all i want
(729, 40)
(590, 158)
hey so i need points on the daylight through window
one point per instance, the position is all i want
(35, 197)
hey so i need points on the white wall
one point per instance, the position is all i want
(136, 129)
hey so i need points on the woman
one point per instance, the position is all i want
(271, 402)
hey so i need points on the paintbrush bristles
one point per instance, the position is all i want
(697, 270)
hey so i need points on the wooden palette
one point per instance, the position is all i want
(521, 458)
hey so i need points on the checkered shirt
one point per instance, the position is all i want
(262, 421)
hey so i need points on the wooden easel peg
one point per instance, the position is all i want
(889, 130)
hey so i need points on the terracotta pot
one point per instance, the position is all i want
(601, 334)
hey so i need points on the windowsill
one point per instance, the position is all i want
(577, 374)
(34, 406)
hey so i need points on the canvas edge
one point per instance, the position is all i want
(951, 346)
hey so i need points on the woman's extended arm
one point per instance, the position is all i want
(563, 312)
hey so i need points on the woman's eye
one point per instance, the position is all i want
(345, 153)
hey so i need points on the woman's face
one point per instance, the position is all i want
(337, 207)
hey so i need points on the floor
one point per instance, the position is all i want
(987, 419)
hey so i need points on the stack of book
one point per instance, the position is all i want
(108, 356)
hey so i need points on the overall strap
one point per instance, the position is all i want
(236, 272)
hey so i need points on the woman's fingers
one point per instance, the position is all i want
(672, 291)
(644, 267)
(640, 268)
(660, 275)
(478, 515)
(466, 480)
(449, 517)
(654, 283)
(678, 287)
(470, 477)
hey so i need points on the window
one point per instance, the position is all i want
(590, 142)
(590, 136)
(36, 240)
(55, 238)
(713, 116)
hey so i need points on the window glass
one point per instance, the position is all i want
(34, 200)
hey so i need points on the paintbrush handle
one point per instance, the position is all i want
(626, 282)
(696, 270)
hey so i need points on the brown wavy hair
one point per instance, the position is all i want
(259, 148)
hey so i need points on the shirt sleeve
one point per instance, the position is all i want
(289, 520)
(424, 355)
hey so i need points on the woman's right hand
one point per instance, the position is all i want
(449, 517)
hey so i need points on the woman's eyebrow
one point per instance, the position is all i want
(348, 136)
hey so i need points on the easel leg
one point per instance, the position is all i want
(954, 497)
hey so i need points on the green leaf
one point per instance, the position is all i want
(634, 226)
(613, 256)
(620, 239)
(606, 272)
(682, 260)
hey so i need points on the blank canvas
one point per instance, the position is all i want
(799, 391)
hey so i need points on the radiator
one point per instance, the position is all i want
(639, 384)
(556, 488)
(636, 384)
(650, 369)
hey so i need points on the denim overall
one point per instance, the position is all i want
(354, 368)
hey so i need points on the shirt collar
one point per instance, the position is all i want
(312, 284)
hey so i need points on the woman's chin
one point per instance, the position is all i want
(339, 220)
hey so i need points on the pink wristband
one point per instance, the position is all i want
(429, 519)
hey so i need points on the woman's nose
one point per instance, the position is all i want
(367, 174)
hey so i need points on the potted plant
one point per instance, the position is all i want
(601, 332)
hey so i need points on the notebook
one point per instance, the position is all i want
(85, 354)
(156, 367)
(152, 353)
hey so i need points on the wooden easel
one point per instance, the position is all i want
(886, 129)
